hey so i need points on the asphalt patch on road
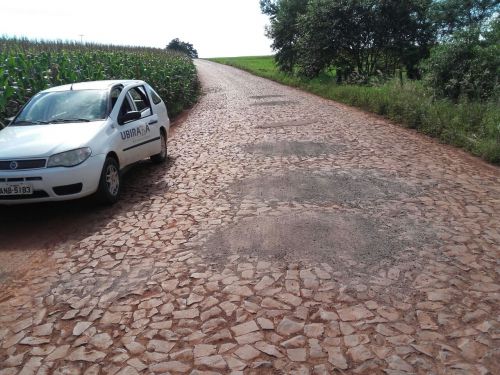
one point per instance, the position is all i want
(266, 96)
(212, 90)
(344, 187)
(281, 124)
(4, 276)
(274, 103)
(335, 238)
(291, 148)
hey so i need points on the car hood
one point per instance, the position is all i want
(29, 141)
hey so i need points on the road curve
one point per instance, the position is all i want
(286, 234)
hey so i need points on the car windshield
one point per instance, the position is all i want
(64, 106)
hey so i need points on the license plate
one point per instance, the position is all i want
(16, 189)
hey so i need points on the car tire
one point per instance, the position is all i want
(110, 182)
(162, 155)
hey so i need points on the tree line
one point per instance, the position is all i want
(177, 45)
(454, 45)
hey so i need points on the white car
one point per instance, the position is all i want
(75, 140)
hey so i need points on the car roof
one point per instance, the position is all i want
(93, 85)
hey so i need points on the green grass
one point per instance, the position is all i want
(263, 64)
(473, 126)
(27, 67)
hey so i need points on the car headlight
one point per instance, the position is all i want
(69, 158)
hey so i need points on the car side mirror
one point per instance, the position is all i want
(129, 116)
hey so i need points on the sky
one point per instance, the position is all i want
(216, 28)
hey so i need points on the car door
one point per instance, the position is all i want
(143, 105)
(136, 134)
(159, 108)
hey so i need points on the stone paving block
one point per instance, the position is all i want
(204, 267)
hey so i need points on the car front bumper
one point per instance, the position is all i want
(55, 184)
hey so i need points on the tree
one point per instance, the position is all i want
(372, 37)
(177, 45)
(466, 62)
(366, 36)
(451, 16)
(284, 30)
(407, 34)
(467, 65)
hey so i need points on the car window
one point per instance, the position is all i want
(156, 98)
(126, 107)
(64, 106)
(115, 93)
(140, 99)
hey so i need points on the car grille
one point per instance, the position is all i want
(6, 165)
(20, 179)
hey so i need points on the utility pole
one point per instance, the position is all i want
(81, 38)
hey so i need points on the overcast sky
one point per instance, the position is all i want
(216, 28)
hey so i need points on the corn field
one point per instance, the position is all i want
(27, 67)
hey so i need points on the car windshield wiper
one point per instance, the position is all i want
(57, 120)
(26, 122)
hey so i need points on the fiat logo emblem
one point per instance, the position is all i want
(13, 165)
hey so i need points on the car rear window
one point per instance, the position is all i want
(156, 98)
(140, 98)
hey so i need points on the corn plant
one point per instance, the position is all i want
(27, 67)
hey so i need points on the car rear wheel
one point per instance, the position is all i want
(109, 188)
(162, 155)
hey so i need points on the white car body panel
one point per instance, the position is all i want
(130, 142)
(43, 140)
(87, 173)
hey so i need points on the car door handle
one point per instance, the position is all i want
(152, 122)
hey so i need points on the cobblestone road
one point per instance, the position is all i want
(287, 234)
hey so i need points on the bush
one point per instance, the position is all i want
(468, 66)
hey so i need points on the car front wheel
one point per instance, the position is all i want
(109, 188)
(162, 155)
